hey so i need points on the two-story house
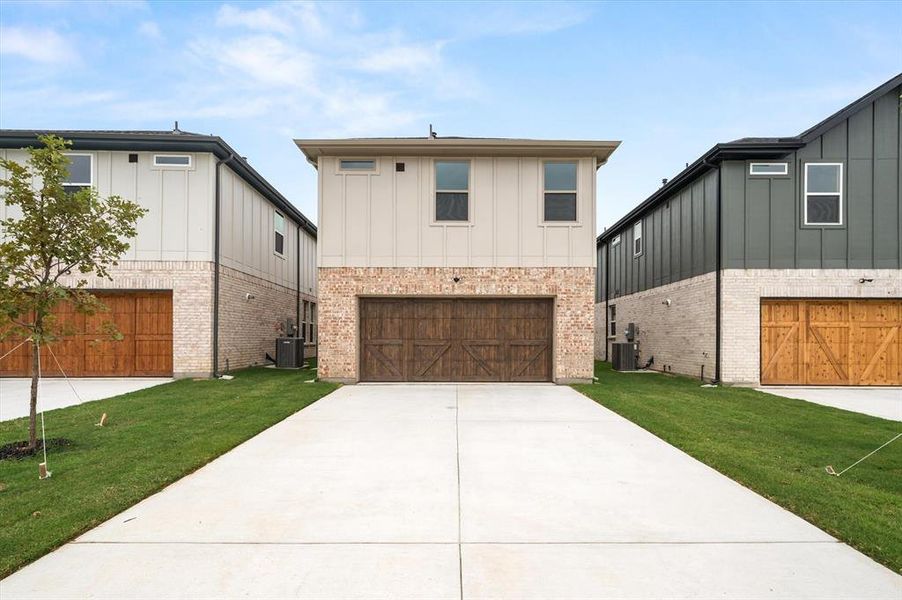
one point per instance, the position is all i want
(456, 259)
(769, 260)
(220, 263)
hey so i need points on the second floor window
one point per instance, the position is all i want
(452, 190)
(278, 224)
(560, 191)
(823, 194)
(81, 172)
(637, 238)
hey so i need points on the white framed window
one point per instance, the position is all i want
(312, 324)
(452, 190)
(769, 169)
(637, 238)
(616, 240)
(81, 172)
(357, 164)
(823, 194)
(612, 320)
(559, 191)
(278, 225)
(172, 160)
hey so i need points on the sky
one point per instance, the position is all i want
(668, 79)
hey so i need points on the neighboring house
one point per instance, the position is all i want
(456, 259)
(769, 260)
(221, 258)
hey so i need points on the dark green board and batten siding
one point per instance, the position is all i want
(762, 216)
(763, 223)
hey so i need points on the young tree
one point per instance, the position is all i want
(60, 237)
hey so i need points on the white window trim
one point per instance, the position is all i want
(91, 171)
(574, 192)
(436, 191)
(612, 321)
(282, 233)
(372, 171)
(638, 225)
(837, 193)
(752, 166)
(616, 240)
(169, 166)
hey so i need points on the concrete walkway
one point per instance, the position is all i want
(15, 393)
(445, 491)
(883, 402)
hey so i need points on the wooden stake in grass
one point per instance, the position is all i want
(102, 420)
(43, 473)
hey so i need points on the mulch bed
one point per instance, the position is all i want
(17, 450)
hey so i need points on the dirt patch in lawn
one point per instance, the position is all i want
(19, 450)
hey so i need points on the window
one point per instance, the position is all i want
(769, 169)
(357, 165)
(452, 191)
(637, 238)
(823, 194)
(81, 172)
(560, 191)
(616, 240)
(171, 160)
(278, 224)
(612, 321)
(312, 324)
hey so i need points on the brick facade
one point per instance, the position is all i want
(571, 287)
(248, 327)
(191, 283)
(680, 336)
(741, 300)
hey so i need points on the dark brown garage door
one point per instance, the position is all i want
(143, 318)
(418, 339)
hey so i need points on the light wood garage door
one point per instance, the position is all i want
(143, 318)
(831, 342)
(457, 339)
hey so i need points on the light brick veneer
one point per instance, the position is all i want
(248, 327)
(571, 287)
(742, 290)
(191, 283)
(679, 336)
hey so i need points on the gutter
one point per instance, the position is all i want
(216, 248)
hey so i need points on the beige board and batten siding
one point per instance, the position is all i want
(179, 201)
(385, 217)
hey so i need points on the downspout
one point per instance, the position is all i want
(718, 254)
(297, 260)
(607, 287)
(216, 245)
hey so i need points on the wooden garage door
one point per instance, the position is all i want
(143, 318)
(831, 342)
(415, 339)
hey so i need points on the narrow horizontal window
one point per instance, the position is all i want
(452, 191)
(81, 172)
(637, 238)
(823, 194)
(357, 165)
(766, 169)
(616, 240)
(278, 223)
(171, 160)
(560, 191)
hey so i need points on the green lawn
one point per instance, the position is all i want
(779, 448)
(152, 438)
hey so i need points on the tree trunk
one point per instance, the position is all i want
(35, 376)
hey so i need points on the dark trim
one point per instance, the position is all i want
(717, 281)
(297, 285)
(607, 293)
(848, 111)
(156, 141)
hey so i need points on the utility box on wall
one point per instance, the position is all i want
(624, 356)
(289, 352)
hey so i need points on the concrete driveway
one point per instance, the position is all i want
(15, 393)
(883, 402)
(447, 491)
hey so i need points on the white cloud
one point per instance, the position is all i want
(283, 18)
(411, 58)
(150, 30)
(37, 44)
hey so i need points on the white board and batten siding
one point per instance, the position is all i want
(247, 241)
(385, 218)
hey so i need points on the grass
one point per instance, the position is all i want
(152, 438)
(778, 447)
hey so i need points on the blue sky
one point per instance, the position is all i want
(669, 79)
